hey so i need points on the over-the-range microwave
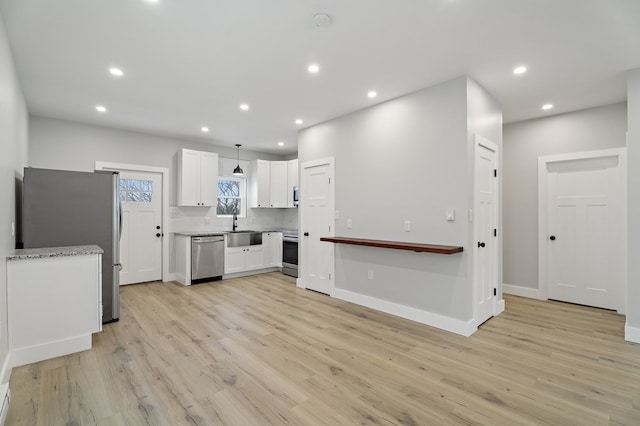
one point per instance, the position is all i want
(296, 196)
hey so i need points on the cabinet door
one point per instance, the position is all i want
(278, 183)
(263, 174)
(208, 179)
(189, 178)
(235, 260)
(255, 258)
(272, 246)
(292, 180)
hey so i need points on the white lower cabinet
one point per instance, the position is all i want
(272, 243)
(240, 259)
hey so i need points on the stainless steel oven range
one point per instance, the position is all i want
(290, 252)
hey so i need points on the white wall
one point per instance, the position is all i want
(632, 331)
(585, 130)
(13, 157)
(406, 159)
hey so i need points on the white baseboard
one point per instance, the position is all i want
(5, 373)
(500, 307)
(170, 277)
(516, 290)
(29, 354)
(300, 283)
(632, 334)
(465, 328)
(252, 272)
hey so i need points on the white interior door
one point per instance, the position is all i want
(584, 235)
(485, 228)
(316, 222)
(140, 245)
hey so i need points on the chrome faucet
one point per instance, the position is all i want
(235, 222)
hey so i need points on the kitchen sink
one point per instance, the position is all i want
(244, 238)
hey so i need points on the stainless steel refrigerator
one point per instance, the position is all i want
(67, 208)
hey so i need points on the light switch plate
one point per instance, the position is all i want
(451, 214)
(349, 224)
(407, 225)
(337, 214)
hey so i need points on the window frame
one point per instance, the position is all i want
(242, 197)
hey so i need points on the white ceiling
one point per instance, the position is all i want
(190, 63)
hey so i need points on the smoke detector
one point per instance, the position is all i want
(321, 20)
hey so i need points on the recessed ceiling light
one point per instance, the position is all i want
(313, 68)
(299, 121)
(244, 107)
(547, 107)
(116, 71)
(101, 108)
(151, 1)
(372, 94)
(520, 70)
(280, 143)
(204, 129)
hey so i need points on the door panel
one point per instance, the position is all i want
(582, 218)
(485, 221)
(317, 220)
(140, 247)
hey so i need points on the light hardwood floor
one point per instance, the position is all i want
(258, 350)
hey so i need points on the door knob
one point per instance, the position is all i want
(306, 234)
(552, 238)
(481, 244)
(158, 227)
(158, 235)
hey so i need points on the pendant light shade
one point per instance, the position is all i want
(238, 170)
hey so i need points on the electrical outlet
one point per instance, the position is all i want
(337, 214)
(349, 224)
(13, 229)
(370, 274)
(407, 225)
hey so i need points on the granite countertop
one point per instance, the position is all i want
(46, 252)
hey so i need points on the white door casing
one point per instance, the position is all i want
(485, 225)
(582, 228)
(163, 172)
(316, 221)
(140, 245)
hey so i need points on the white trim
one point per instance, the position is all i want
(48, 350)
(164, 171)
(500, 307)
(464, 328)
(632, 334)
(543, 196)
(5, 373)
(5, 396)
(517, 290)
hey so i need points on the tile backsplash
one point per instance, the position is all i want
(200, 219)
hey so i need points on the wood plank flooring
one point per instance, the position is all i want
(258, 350)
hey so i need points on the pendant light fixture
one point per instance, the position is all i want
(238, 170)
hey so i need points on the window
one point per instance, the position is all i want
(231, 196)
(136, 190)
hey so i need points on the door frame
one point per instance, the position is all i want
(164, 174)
(543, 209)
(330, 161)
(498, 301)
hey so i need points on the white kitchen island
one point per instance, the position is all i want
(55, 301)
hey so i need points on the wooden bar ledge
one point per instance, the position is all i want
(395, 245)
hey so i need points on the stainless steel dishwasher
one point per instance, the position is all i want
(207, 258)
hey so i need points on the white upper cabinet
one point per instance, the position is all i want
(292, 180)
(269, 183)
(197, 178)
(278, 184)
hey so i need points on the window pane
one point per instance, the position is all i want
(146, 197)
(147, 186)
(123, 195)
(228, 206)
(133, 184)
(133, 196)
(228, 188)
